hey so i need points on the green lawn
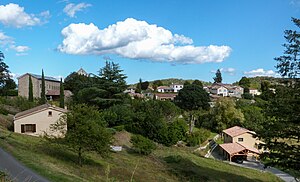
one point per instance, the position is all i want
(165, 164)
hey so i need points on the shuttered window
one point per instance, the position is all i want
(28, 128)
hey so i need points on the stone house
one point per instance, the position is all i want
(23, 85)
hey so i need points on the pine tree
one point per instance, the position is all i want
(281, 132)
(218, 78)
(43, 93)
(30, 91)
(61, 95)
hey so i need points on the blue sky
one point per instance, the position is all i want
(149, 39)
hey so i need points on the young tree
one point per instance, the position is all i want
(86, 131)
(218, 78)
(139, 86)
(225, 114)
(61, 95)
(30, 91)
(43, 99)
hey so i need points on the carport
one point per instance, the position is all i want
(230, 150)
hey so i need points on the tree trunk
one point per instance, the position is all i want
(80, 156)
(192, 123)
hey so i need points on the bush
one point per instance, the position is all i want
(3, 111)
(198, 137)
(142, 145)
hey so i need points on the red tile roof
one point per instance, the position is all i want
(232, 148)
(235, 131)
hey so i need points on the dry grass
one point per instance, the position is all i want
(165, 164)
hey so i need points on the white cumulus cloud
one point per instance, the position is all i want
(71, 9)
(20, 49)
(15, 16)
(230, 71)
(136, 39)
(261, 72)
(4, 39)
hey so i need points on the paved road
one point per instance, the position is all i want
(258, 166)
(17, 171)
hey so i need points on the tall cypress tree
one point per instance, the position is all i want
(218, 78)
(30, 91)
(61, 95)
(43, 93)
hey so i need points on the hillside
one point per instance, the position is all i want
(169, 81)
(165, 164)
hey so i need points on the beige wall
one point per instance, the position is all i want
(41, 119)
(23, 86)
(227, 138)
(248, 140)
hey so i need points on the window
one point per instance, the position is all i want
(28, 128)
(50, 114)
(240, 139)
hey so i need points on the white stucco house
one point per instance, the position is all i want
(37, 120)
(254, 92)
(176, 87)
(219, 90)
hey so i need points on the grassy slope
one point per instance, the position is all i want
(58, 164)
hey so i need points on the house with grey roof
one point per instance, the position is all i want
(51, 85)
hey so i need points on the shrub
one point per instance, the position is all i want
(142, 145)
(3, 111)
(198, 137)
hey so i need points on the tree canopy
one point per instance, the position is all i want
(6, 83)
(192, 97)
(281, 132)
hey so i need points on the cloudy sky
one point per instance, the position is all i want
(149, 39)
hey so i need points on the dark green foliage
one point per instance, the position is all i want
(254, 117)
(75, 82)
(7, 85)
(61, 95)
(225, 114)
(139, 87)
(3, 111)
(244, 82)
(43, 99)
(156, 83)
(192, 97)
(86, 131)
(21, 103)
(142, 145)
(247, 96)
(281, 132)
(175, 132)
(198, 82)
(218, 77)
(264, 86)
(289, 63)
(117, 115)
(198, 137)
(30, 91)
(153, 119)
(186, 83)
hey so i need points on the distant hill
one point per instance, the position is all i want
(169, 81)
(256, 81)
